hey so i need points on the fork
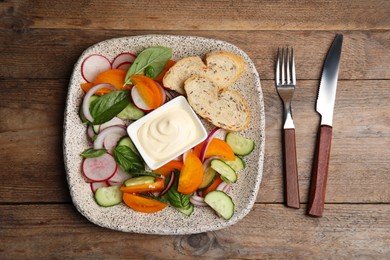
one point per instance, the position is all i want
(285, 80)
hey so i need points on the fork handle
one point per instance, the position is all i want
(320, 172)
(291, 169)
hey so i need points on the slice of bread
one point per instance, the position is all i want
(181, 71)
(223, 67)
(223, 108)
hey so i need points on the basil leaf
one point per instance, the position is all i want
(175, 198)
(92, 153)
(150, 62)
(144, 173)
(127, 159)
(108, 106)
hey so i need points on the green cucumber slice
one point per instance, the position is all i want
(227, 172)
(108, 196)
(237, 165)
(221, 203)
(239, 144)
(139, 180)
(209, 176)
(126, 141)
(131, 112)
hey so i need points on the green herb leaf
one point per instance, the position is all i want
(177, 199)
(127, 159)
(92, 153)
(144, 173)
(150, 62)
(108, 106)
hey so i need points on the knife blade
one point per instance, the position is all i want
(325, 106)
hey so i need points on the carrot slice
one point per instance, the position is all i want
(148, 89)
(87, 86)
(157, 186)
(217, 147)
(167, 168)
(142, 204)
(115, 77)
(191, 174)
(168, 65)
(213, 186)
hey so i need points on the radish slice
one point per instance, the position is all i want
(99, 168)
(207, 143)
(125, 57)
(98, 184)
(124, 66)
(88, 95)
(119, 177)
(138, 101)
(110, 141)
(114, 121)
(115, 130)
(93, 65)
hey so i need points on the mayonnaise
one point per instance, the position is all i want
(167, 133)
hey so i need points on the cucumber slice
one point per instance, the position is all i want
(209, 176)
(131, 112)
(139, 180)
(108, 196)
(227, 172)
(221, 203)
(126, 141)
(237, 165)
(239, 144)
(186, 211)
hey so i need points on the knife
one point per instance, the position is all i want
(325, 105)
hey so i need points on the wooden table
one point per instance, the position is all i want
(41, 41)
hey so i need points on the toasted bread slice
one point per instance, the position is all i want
(223, 108)
(181, 71)
(223, 67)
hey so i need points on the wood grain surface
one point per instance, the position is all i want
(41, 40)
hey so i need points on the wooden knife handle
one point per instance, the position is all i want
(320, 172)
(291, 169)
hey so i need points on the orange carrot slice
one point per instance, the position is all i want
(142, 204)
(115, 77)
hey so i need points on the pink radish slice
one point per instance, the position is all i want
(114, 121)
(138, 100)
(110, 141)
(125, 57)
(207, 143)
(98, 184)
(119, 177)
(93, 65)
(99, 168)
(124, 66)
(112, 130)
(88, 95)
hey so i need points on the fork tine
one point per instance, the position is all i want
(277, 75)
(294, 79)
(287, 67)
(283, 71)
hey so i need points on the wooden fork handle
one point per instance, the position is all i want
(291, 169)
(320, 172)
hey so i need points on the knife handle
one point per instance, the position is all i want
(291, 169)
(320, 172)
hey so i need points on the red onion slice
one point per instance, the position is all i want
(207, 143)
(198, 201)
(112, 130)
(85, 106)
(169, 185)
